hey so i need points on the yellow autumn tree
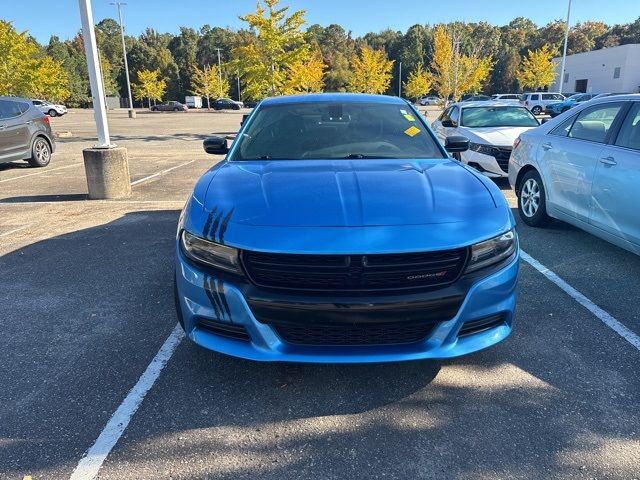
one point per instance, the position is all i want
(455, 74)
(208, 82)
(26, 71)
(418, 83)
(370, 71)
(538, 69)
(306, 76)
(277, 42)
(150, 86)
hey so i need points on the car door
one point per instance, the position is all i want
(437, 124)
(568, 156)
(616, 186)
(14, 130)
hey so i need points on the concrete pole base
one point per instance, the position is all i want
(132, 113)
(107, 171)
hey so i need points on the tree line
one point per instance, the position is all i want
(275, 54)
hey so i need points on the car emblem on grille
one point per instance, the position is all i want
(428, 275)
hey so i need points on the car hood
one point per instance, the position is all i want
(347, 193)
(498, 136)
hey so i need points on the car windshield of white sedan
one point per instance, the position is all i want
(481, 117)
(335, 130)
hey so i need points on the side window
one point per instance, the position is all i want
(37, 102)
(547, 96)
(629, 136)
(594, 123)
(23, 107)
(454, 114)
(9, 109)
(444, 115)
(562, 130)
(557, 96)
(535, 97)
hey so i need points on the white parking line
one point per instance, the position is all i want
(160, 173)
(15, 230)
(89, 465)
(47, 170)
(605, 317)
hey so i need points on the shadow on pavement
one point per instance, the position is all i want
(72, 197)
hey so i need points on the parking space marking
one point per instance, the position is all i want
(15, 230)
(137, 182)
(48, 170)
(89, 465)
(605, 317)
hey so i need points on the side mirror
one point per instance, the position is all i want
(215, 145)
(449, 123)
(456, 143)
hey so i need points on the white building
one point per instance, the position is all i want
(609, 70)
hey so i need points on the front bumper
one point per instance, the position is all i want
(485, 164)
(202, 295)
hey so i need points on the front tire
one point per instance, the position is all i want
(532, 205)
(40, 153)
(53, 113)
(537, 110)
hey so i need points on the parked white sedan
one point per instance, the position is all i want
(583, 167)
(491, 128)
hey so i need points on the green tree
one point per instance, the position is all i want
(277, 43)
(337, 47)
(208, 82)
(371, 71)
(538, 68)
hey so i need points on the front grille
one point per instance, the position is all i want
(502, 154)
(355, 335)
(355, 272)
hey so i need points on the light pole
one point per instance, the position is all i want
(106, 165)
(564, 52)
(219, 71)
(132, 113)
(400, 81)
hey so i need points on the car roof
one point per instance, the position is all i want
(627, 97)
(20, 99)
(333, 97)
(488, 103)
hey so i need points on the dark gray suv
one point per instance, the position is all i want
(25, 133)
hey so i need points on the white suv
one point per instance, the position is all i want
(537, 101)
(51, 109)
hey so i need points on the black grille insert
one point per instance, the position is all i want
(476, 326)
(354, 272)
(502, 154)
(355, 335)
(237, 332)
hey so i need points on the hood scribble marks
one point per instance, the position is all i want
(224, 225)
(216, 225)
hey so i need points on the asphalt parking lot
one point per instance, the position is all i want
(87, 303)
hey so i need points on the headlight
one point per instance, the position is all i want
(480, 148)
(210, 253)
(492, 251)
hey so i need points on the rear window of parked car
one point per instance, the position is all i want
(629, 136)
(11, 108)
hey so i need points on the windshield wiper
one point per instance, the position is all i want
(361, 156)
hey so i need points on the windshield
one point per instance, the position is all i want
(335, 130)
(479, 117)
(575, 97)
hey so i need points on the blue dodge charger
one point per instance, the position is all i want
(338, 229)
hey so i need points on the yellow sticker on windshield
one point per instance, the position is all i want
(412, 131)
(409, 117)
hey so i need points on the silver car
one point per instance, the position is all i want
(25, 133)
(583, 167)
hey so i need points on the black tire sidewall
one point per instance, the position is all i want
(33, 161)
(540, 218)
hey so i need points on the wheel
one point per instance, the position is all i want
(537, 110)
(40, 153)
(236, 107)
(176, 109)
(532, 205)
(154, 109)
(53, 113)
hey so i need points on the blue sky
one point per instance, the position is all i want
(43, 18)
